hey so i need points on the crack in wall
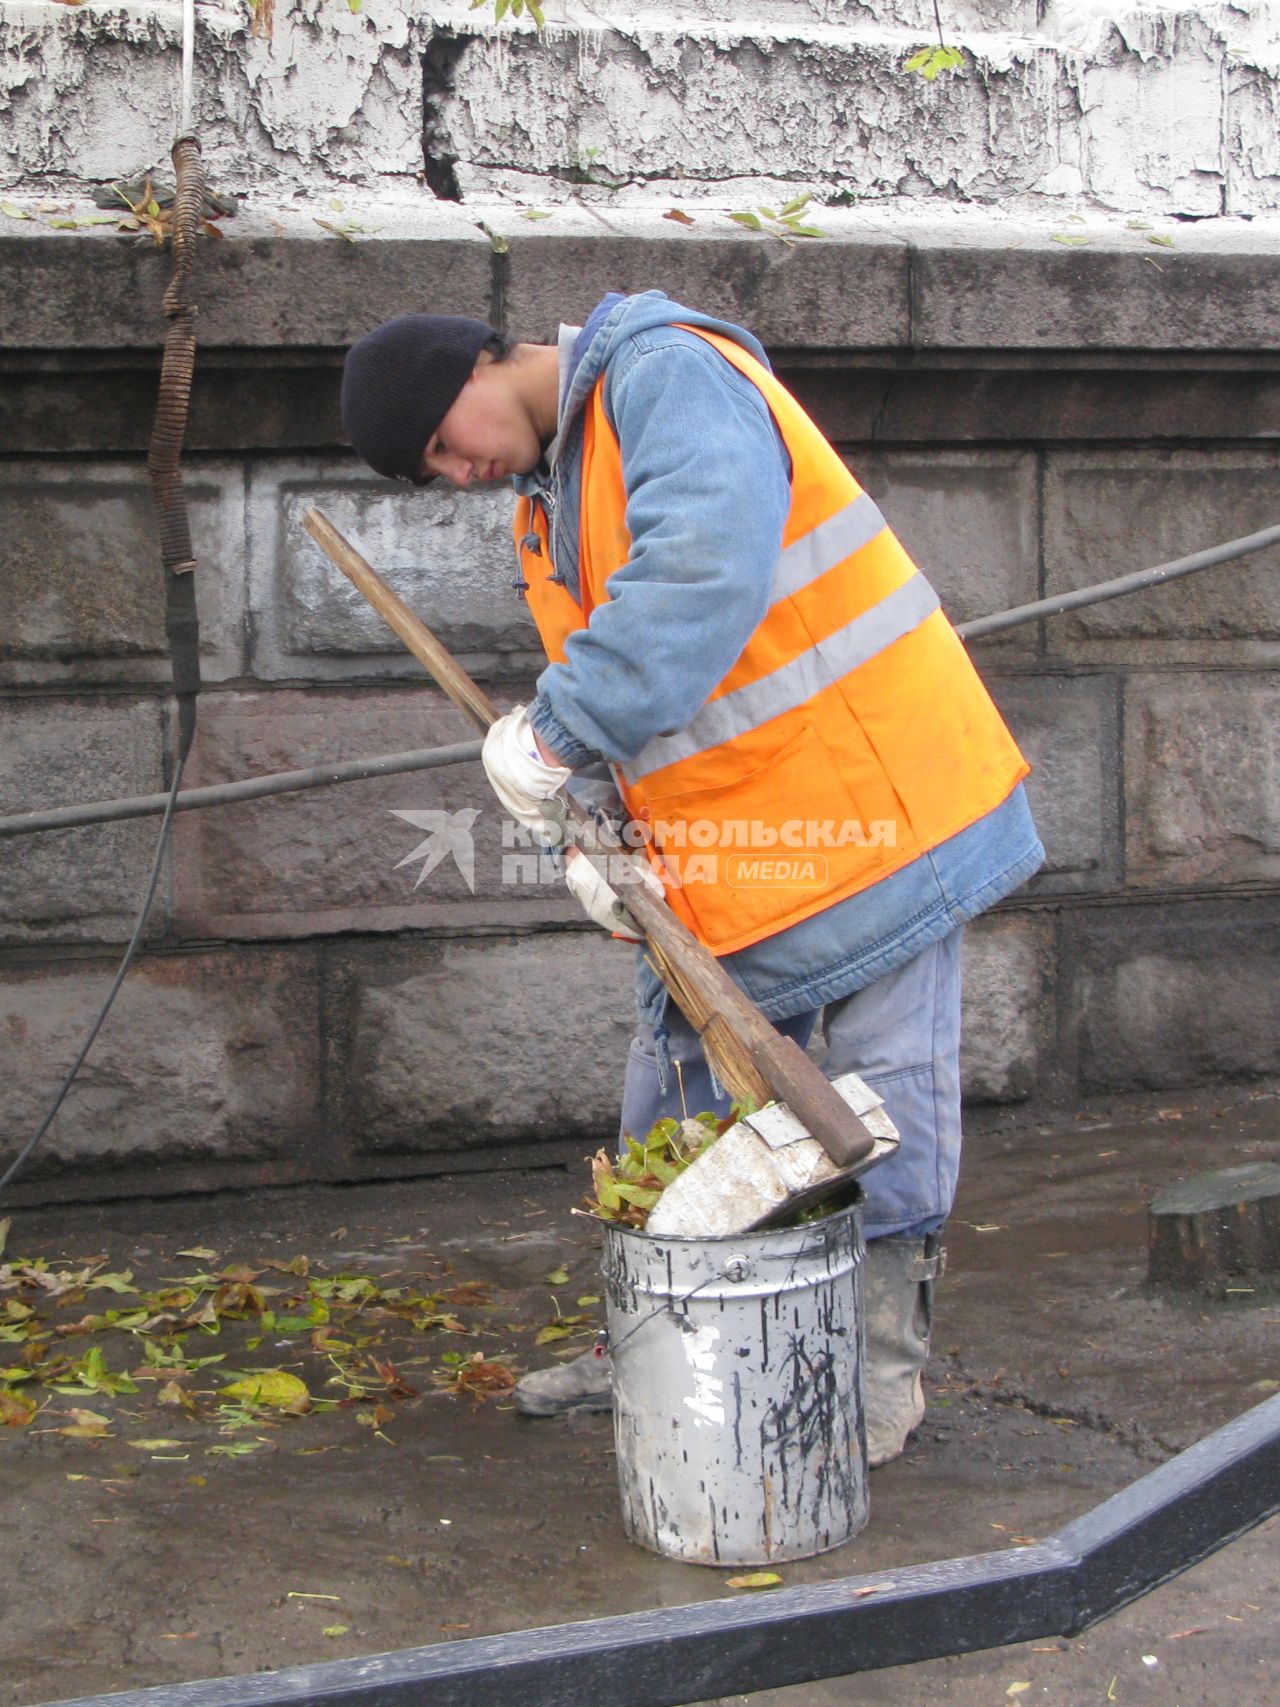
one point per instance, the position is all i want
(440, 62)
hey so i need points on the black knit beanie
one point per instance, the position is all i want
(400, 381)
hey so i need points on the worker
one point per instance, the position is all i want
(734, 631)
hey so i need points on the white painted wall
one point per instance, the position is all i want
(1152, 107)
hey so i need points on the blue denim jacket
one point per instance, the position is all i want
(708, 490)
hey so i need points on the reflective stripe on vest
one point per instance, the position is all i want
(745, 708)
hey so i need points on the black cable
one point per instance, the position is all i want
(130, 954)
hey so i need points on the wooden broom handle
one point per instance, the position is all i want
(750, 1058)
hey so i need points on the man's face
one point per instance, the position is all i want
(488, 434)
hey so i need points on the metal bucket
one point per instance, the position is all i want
(736, 1390)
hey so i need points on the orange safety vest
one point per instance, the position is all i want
(853, 733)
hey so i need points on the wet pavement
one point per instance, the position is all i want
(179, 1533)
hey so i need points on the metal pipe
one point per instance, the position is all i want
(354, 770)
(252, 788)
(1116, 589)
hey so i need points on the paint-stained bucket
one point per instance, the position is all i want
(737, 1390)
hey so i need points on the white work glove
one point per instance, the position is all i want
(522, 779)
(599, 901)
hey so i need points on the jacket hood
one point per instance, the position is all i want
(617, 318)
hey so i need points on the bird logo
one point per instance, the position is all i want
(449, 835)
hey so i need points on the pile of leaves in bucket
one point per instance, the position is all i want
(242, 1349)
(626, 1187)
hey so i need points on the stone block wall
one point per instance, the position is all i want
(1031, 416)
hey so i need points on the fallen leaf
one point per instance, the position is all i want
(1017, 1688)
(872, 1588)
(302, 1594)
(558, 1277)
(16, 1410)
(14, 213)
(679, 215)
(1072, 241)
(335, 1630)
(273, 1387)
(152, 1445)
(754, 1579)
(93, 1422)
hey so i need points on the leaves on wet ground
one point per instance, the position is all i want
(755, 1579)
(243, 1350)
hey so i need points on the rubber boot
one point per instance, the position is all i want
(897, 1309)
(582, 1384)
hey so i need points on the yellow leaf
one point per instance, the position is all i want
(274, 1387)
(334, 1630)
(755, 1579)
(1017, 1688)
(152, 1445)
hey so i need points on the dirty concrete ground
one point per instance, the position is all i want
(412, 1514)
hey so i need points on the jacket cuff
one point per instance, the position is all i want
(562, 742)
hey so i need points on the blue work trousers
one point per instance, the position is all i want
(901, 1034)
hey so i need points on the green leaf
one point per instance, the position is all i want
(798, 230)
(500, 10)
(930, 62)
(553, 1331)
(558, 1277)
(14, 212)
(588, 1298)
(337, 1629)
(234, 1449)
(797, 204)
(539, 17)
(750, 220)
(1137, 225)
(355, 5)
(755, 1579)
(644, 1197)
(120, 1282)
(534, 213)
(1156, 237)
(1072, 240)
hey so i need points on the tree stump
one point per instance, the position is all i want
(1219, 1231)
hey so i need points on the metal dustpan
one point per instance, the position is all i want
(765, 1168)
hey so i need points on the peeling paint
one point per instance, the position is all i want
(1155, 106)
